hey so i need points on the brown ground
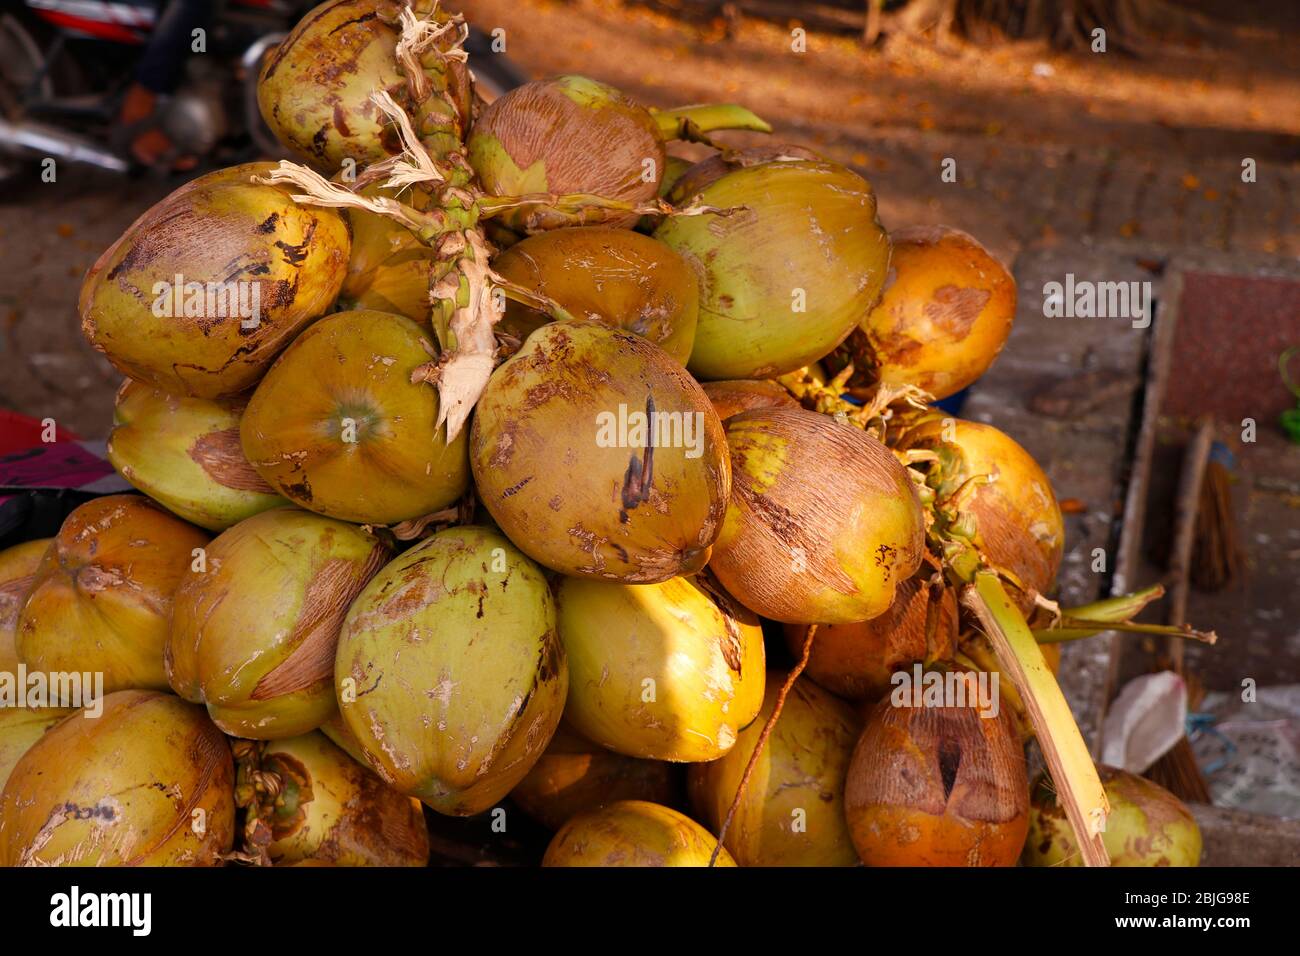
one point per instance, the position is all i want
(1047, 146)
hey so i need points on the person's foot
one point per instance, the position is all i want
(151, 146)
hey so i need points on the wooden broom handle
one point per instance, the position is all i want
(1190, 480)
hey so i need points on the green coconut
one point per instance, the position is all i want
(314, 89)
(339, 427)
(255, 627)
(567, 134)
(202, 292)
(789, 272)
(450, 674)
(568, 463)
(622, 278)
(185, 454)
(1147, 826)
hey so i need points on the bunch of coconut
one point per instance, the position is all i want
(492, 458)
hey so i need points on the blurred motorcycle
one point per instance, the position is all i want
(65, 66)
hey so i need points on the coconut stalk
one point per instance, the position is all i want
(1078, 786)
(1114, 614)
(694, 123)
(951, 528)
(463, 287)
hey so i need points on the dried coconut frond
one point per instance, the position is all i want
(414, 165)
(319, 191)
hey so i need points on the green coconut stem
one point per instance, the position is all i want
(692, 122)
(533, 299)
(1114, 614)
(762, 739)
(1075, 629)
(1079, 628)
(979, 656)
(1123, 607)
(428, 42)
(1066, 753)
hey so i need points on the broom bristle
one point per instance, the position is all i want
(1178, 772)
(1216, 554)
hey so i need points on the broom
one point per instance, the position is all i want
(1216, 553)
(1177, 770)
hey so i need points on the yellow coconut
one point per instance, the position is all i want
(342, 425)
(102, 597)
(616, 276)
(661, 671)
(315, 803)
(858, 660)
(599, 455)
(202, 292)
(147, 782)
(943, 318)
(823, 524)
(389, 269)
(792, 811)
(633, 833)
(1018, 523)
(937, 786)
(746, 394)
(20, 727)
(184, 453)
(17, 573)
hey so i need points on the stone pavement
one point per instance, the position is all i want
(1010, 195)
